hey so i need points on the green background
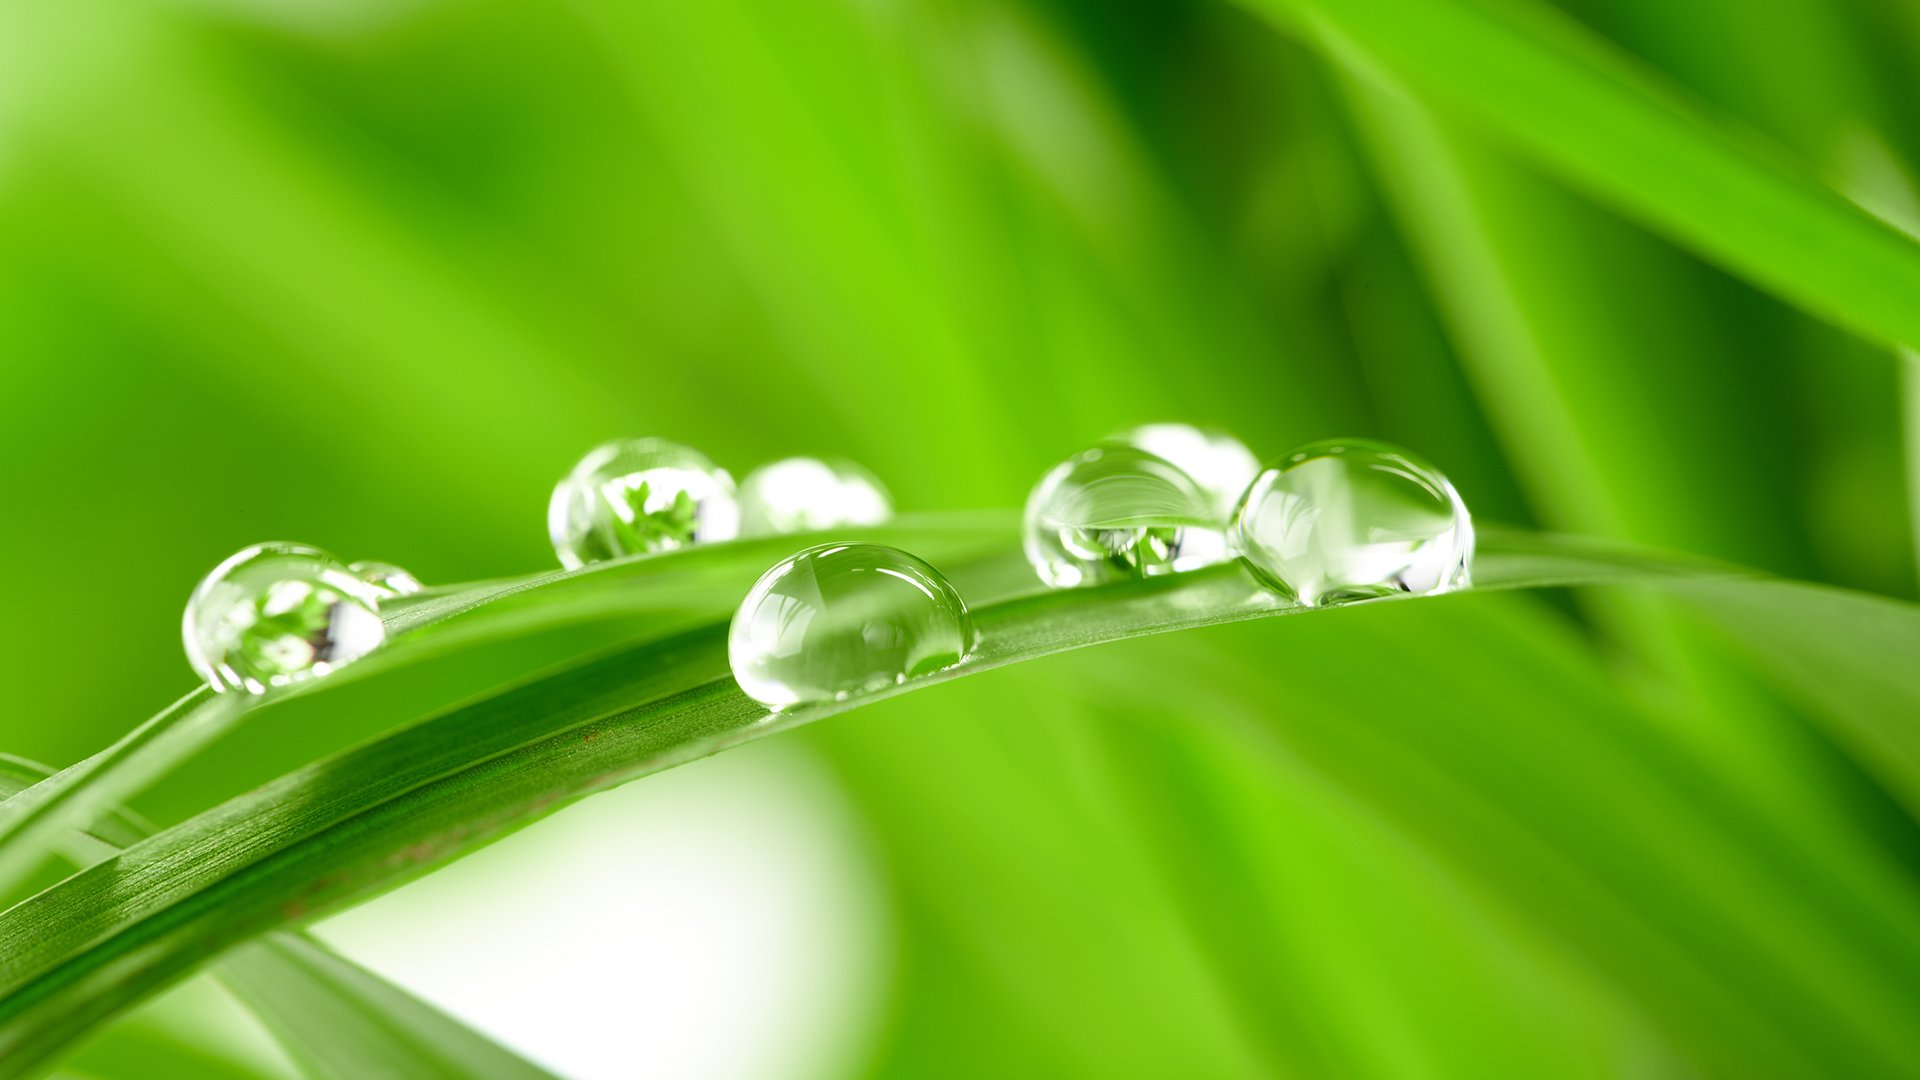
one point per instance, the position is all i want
(373, 275)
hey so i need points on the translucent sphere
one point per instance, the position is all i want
(635, 496)
(389, 579)
(843, 619)
(1221, 464)
(275, 614)
(1117, 512)
(801, 494)
(1350, 519)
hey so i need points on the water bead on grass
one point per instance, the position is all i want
(275, 614)
(1116, 512)
(1350, 519)
(637, 496)
(1219, 463)
(389, 579)
(838, 620)
(803, 494)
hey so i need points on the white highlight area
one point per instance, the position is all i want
(721, 921)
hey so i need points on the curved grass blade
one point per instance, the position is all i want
(375, 816)
(647, 594)
(337, 1020)
(1554, 92)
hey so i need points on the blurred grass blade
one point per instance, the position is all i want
(648, 595)
(348, 827)
(1910, 422)
(1879, 181)
(1554, 92)
(1849, 658)
(337, 1020)
(341, 1022)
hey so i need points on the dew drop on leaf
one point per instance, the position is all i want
(839, 620)
(1219, 463)
(389, 579)
(1351, 519)
(802, 494)
(278, 613)
(1116, 512)
(637, 496)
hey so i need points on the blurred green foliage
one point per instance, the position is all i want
(372, 276)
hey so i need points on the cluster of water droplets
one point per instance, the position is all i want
(275, 614)
(1346, 519)
(1330, 522)
(824, 623)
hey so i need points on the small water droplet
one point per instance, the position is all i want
(1221, 464)
(635, 496)
(278, 613)
(1350, 519)
(843, 619)
(391, 580)
(802, 494)
(1116, 512)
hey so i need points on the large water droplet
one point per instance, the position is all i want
(634, 496)
(1350, 519)
(1221, 464)
(278, 613)
(844, 619)
(802, 494)
(1116, 512)
(389, 579)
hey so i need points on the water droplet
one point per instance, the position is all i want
(634, 496)
(389, 579)
(278, 613)
(843, 619)
(1350, 519)
(801, 494)
(1221, 464)
(1116, 512)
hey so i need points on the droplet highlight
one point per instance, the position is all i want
(803, 494)
(638, 496)
(276, 614)
(1116, 512)
(839, 620)
(1352, 519)
(1220, 464)
(389, 579)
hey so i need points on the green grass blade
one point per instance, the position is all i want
(1555, 93)
(368, 819)
(337, 1020)
(644, 595)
